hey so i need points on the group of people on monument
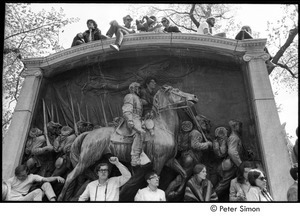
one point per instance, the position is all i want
(151, 24)
(147, 24)
(219, 177)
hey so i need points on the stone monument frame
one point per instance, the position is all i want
(249, 53)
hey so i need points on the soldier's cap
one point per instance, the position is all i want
(128, 17)
(54, 124)
(66, 131)
(221, 131)
(133, 85)
(186, 126)
(34, 132)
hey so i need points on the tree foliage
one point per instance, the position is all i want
(27, 34)
(282, 40)
(284, 43)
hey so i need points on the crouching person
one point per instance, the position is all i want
(20, 184)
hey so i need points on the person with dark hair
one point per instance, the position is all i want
(151, 192)
(155, 26)
(240, 185)
(149, 24)
(292, 193)
(20, 184)
(105, 188)
(168, 28)
(206, 27)
(78, 39)
(120, 31)
(258, 190)
(199, 188)
(93, 33)
(246, 33)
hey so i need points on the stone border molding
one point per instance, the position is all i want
(249, 57)
(32, 72)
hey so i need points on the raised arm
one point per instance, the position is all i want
(125, 174)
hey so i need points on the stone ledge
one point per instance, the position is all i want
(143, 42)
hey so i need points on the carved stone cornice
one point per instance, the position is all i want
(144, 44)
(37, 72)
(248, 57)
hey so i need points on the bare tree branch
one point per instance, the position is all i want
(29, 30)
(284, 66)
(182, 26)
(172, 10)
(279, 54)
(191, 14)
(7, 121)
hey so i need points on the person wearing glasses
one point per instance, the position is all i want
(19, 186)
(258, 190)
(151, 192)
(168, 28)
(105, 188)
(120, 31)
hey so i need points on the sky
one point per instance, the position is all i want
(254, 15)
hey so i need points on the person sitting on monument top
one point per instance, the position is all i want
(206, 28)
(150, 25)
(77, 40)
(144, 24)
(155, 26)
(246, 33)
(120, 31)
(168, 28)
(93, 33)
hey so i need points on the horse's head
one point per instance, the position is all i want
(169, 97)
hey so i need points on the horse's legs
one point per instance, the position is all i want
(175, 165)
(72, 175)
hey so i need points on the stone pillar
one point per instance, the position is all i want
(270, 135)
(16, 136)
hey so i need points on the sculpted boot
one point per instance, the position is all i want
(135, 160)
(144, 159)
